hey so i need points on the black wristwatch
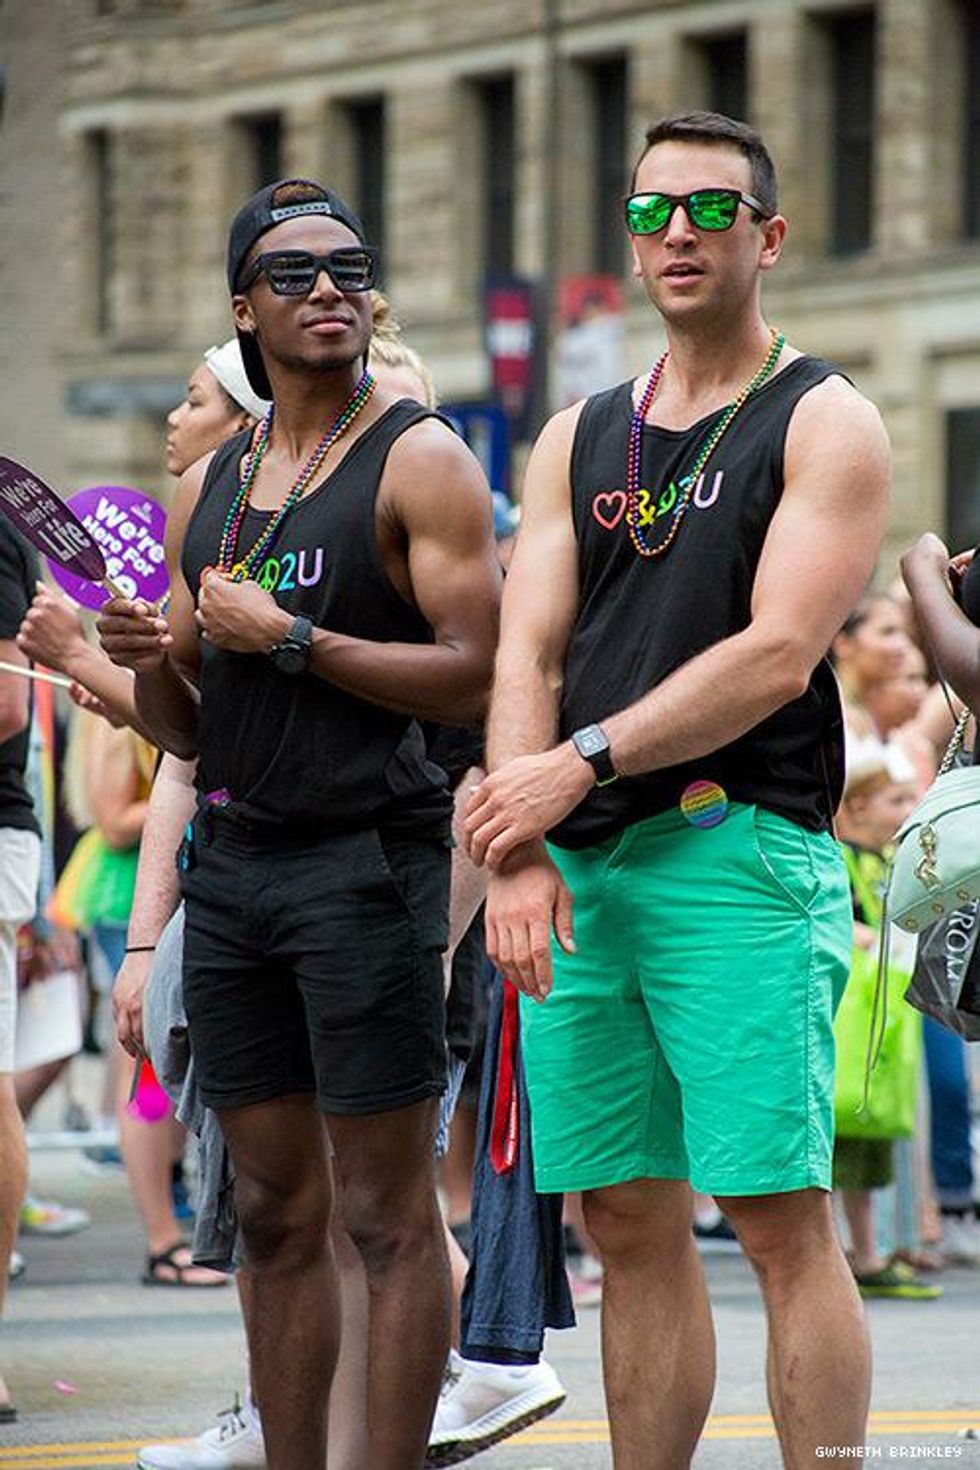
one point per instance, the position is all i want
(592, 746)
(292, 655)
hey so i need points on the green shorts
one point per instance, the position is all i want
(690, 1035)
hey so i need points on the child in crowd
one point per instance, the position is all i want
(880, 791)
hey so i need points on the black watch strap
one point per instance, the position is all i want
(592, 745)
(293, 653)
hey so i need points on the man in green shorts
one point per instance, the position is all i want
(690, 543)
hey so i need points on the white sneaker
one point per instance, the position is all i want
(960, 1242)
(235, 1443)
(483, 1403)
(47, 1217)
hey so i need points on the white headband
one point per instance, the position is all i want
(226, 364)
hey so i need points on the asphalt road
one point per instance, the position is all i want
(100, 1364)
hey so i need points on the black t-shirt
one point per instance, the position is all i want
(639, 619)
(18, 574)
(295, 749)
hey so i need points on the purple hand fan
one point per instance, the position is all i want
(48, 523)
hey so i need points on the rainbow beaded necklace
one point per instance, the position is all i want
(689, 483)
(241, 567)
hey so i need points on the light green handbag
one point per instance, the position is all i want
(936, 866)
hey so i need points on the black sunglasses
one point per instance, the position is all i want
(706, 209)
(294, 272)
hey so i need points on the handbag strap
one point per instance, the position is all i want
(879, 1006)
(956, 739)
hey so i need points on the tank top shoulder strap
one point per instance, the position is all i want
(226, 454)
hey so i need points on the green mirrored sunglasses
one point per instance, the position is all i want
(706, 209)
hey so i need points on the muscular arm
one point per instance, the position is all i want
(818, 556)
(539, 605)
(527, 899)
(163, 653)
(439, 496)
(435, 501)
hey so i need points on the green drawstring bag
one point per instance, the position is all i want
(889, 1111)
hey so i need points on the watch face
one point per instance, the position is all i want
(592, 741)
(290, 659)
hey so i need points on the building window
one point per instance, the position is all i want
(726, 67)
(963, 477)
(367, 130)
(851, 41)
(971, 192)
(496, 103)
(608, 82)
(103, 237)
(262, 138)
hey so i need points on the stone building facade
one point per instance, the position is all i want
(498, 135)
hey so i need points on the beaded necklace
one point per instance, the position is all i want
(687, 486)
(241, 567)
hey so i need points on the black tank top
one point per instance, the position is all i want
(639, 619)
(294, 749)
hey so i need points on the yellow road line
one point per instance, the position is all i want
(80, 1454)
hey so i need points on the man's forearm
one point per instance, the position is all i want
(157, 891)
(523, 710)
(169, 709)
(951, 637)
(713, 699)
(429, 680)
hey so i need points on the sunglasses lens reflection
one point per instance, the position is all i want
(713, 209)
(352, 270)
(647, 213)
(291, 275)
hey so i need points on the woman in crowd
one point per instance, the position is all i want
(946, 597)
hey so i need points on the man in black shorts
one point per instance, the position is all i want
(333, 583)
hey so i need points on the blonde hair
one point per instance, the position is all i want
(388, 348)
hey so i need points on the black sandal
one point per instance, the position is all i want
(165, 1261)
(8, 1413)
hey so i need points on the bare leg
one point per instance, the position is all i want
(820, 1359)
(13, 1182)
(859, 1210)
(148, 1153)
(653, 1292)
(34, 1083)
(458, 1267)
(457, 1167)
(573, 1214)
(283, 1193)
(390, 1207)
(347, 1448)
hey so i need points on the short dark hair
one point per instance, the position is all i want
(714, 127)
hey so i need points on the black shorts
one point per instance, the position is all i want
(314, 964)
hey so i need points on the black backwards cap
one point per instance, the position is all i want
(286, 199)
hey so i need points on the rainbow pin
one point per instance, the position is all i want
(704, 803)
